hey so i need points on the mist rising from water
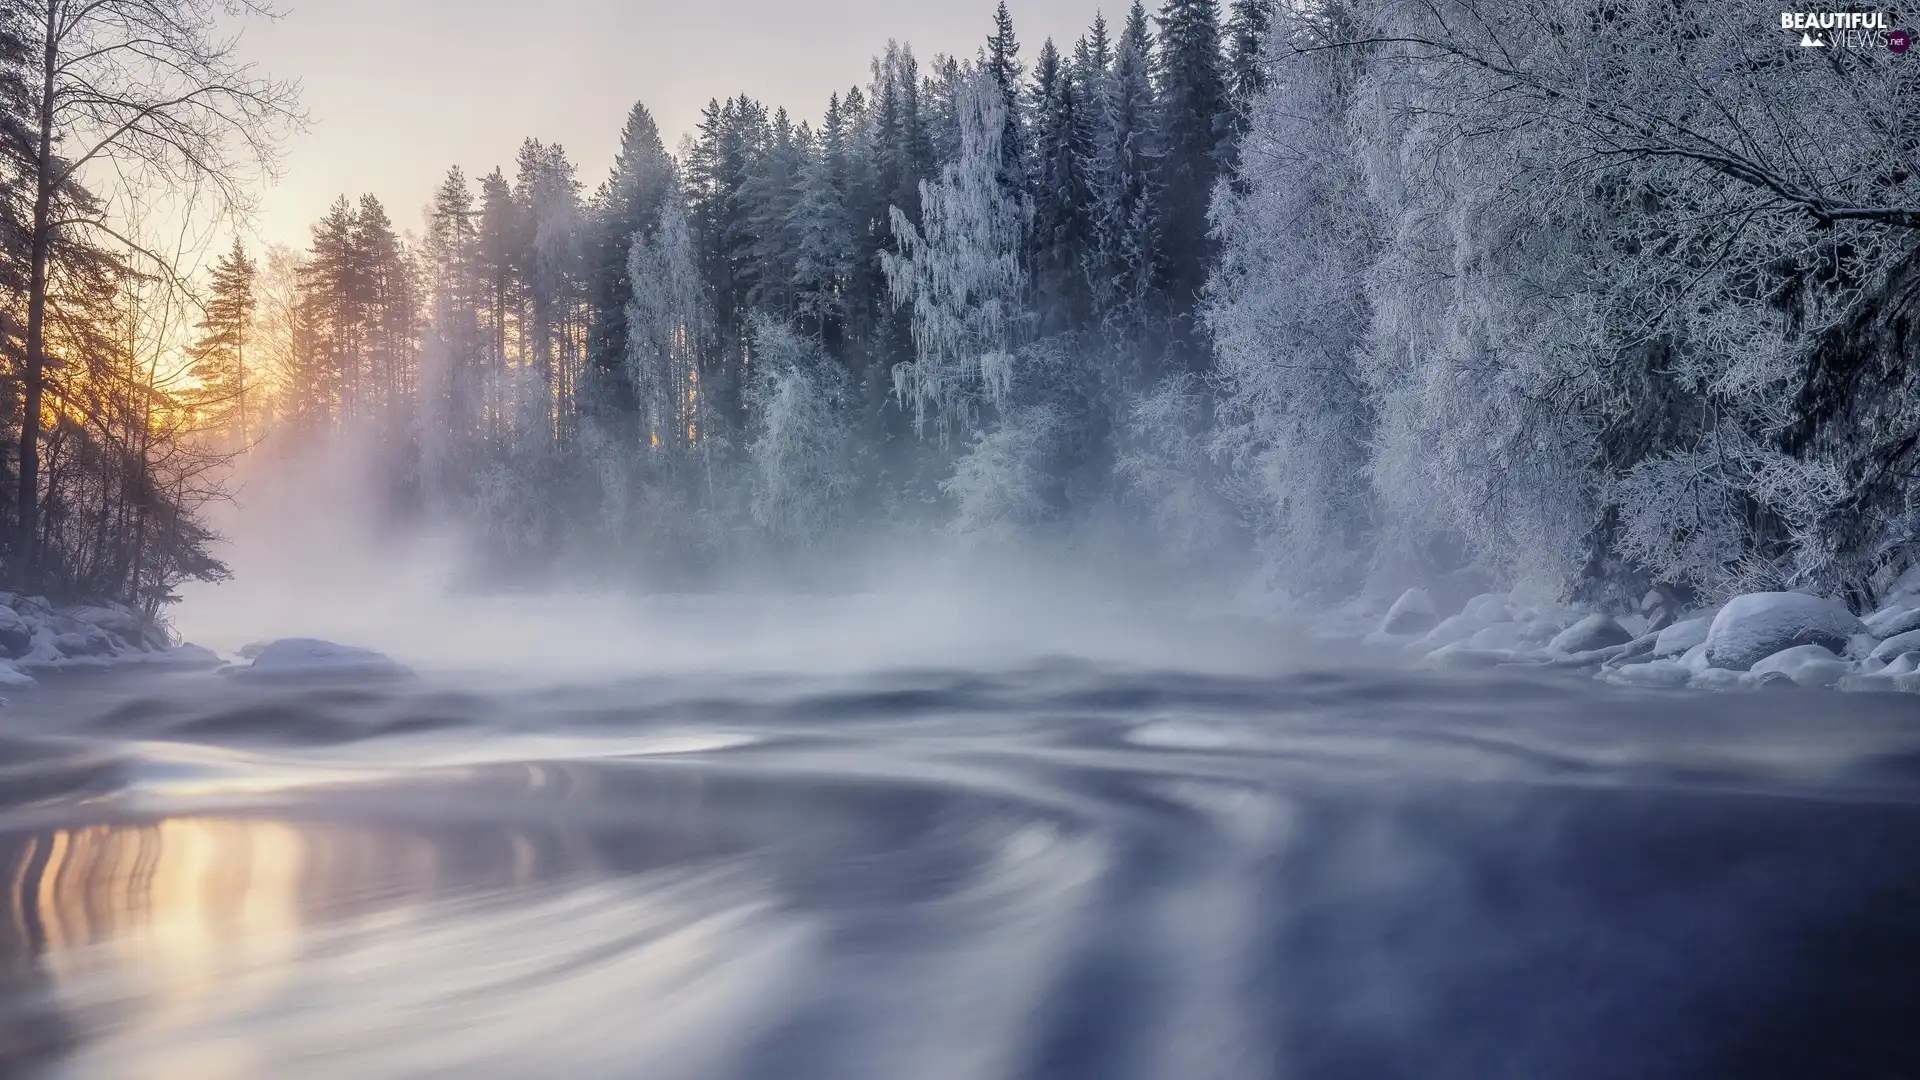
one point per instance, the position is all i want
(309, 559)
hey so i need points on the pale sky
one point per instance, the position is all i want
(399, 90)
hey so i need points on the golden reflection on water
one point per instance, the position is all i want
(184, 916)
(204, 948)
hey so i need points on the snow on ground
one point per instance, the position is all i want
(38, 637)
(1757, 640)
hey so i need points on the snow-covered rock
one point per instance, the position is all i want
(1896, 645)
(13, 678)
(1590, 633)
(1488, 608)
(1806, 665)
(16, 634)
(1675, 640)
(89, 641)
(1504, 635)
(1893, 621)
(1758, 625)
(1452, 629)
(1713, 678)
(1652, 673)
(311, 658)
(1461, 655)
(1659, 611)
(1695, 659)
(1413, 613)
(1905, 663)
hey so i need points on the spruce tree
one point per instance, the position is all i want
(1002, 64)
(1062, 147)
(1248, 24)
(220, 355)
(1125, 261)
(500, 285)
(627, 207)
(1194, 121)
(823, 235)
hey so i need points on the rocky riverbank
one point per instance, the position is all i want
(1754, 640)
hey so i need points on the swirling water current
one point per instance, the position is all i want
(1051, 867)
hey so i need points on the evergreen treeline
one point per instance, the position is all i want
(1583, 296)
(754, 338)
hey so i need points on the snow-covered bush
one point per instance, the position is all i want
(1167, 466)
(1002, 484)
(801, 447)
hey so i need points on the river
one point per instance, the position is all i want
(1020, 863)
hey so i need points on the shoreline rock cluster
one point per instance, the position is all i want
(38, 636)
(1755, 640)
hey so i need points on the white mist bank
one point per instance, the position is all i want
(306, 563)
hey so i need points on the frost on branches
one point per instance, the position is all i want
(959, 273)
(1596, 305)
(802, 447)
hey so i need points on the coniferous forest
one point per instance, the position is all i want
(1582, 296)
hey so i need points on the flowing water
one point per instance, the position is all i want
(1011, 867)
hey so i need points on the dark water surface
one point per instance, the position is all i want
(1056, 869)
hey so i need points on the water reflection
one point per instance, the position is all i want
(207, 948)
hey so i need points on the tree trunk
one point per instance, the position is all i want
(36, 360)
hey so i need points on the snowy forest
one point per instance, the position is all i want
(1585, 297)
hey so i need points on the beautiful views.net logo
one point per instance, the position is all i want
(1847, 30)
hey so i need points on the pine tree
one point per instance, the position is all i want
(1092, 56)
(627, 206)
(497, 258)
(825, 249)
(1247, 27)
(1002, 64)
(220, 355)
(1062, 148)
(333, 303)
(1125, 263)
(772, 192)
(1194, 121)
(451, 364)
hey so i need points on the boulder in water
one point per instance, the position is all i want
(1488, 608)
(1675, 640)
(1591, 633)
(1805, 665)
(1896, 645)
(299, 659)
(1893, 621)
(16, 635)
(1413, 613)
(1755, 626)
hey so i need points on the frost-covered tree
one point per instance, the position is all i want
(1289, 315)
(669, 329)
(959, 274)
(801, 446)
